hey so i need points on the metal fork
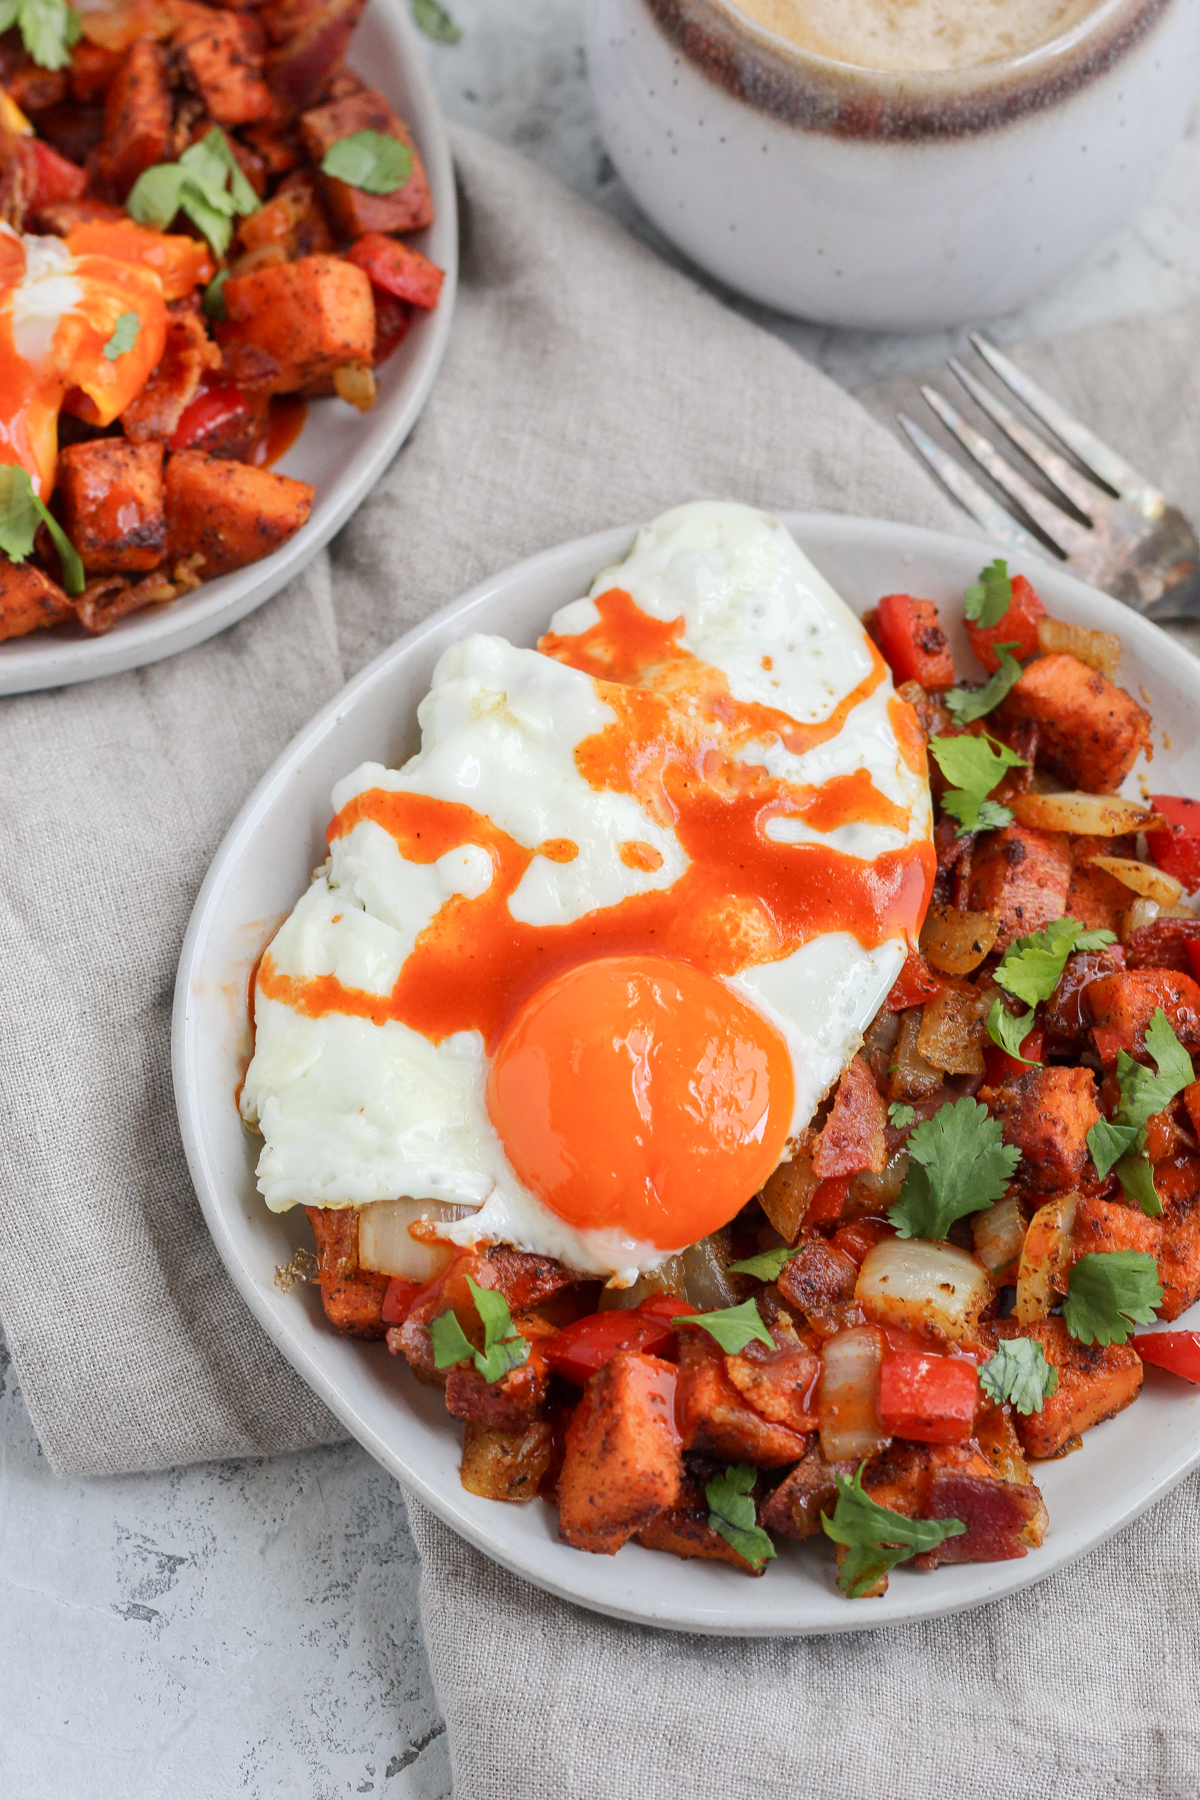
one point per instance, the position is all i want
(1130, 540)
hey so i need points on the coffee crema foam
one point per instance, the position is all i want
(917, 34)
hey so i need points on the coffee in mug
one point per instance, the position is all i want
(917, 34)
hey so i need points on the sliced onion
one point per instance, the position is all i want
(1045, 1258)
(957, 942)
(874, 1193)
(1150, 883)
(696, 1274)
(1098, 649)
(915, 1282)
(954, 1030)
(1087, 815)
(356, 384)
(384, 1243)
(910, 1076)
(846, 1394)
(999, 1232)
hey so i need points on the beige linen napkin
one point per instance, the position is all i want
(586, 384)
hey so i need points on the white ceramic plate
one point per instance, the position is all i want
(262, 868)
(342, 452)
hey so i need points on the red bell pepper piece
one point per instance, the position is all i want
(666, 1306)
(1176, 847)
(212, 408)
(1192, 952)
(581, 1348)
(399, 1299)
(1000, 1065)
(397, 268)
(1178, 1351)
(929, 1398)
(859, 1236)
(914, 985)
(55, 177)
(1017, 629)
(913, 642)
(828, 1201)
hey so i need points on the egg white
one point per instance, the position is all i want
(353, 1112)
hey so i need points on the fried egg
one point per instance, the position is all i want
(593, 956)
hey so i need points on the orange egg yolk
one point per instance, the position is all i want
(639, 1094)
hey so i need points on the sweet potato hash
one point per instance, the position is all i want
(941, 1285)
(201, 219)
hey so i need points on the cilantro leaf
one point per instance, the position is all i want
(21, 512)
(1136, 1176)
(48, 29)
(1019, 1372)
(733, 1326)
(900, 1114)
(986, 603)
(1031, 968)
(965, 705)
(207, 184)
(876, 1537)
(731, 1512)
(765, 1267)
(974, 766)
(125, 335)
(369, 160)
(1010, 1030)
(214, 296)
(1109, 1142)
(503, 1349)
(960, 1164)
(1108, 1292)
(435, 22)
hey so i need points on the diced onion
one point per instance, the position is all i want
(1144, 912)
(1088, 815)
(911, 1077)
(954, 1030)
(1045, 1258)
(1098, 649)
(696, 1274)
(356, 383)
(874, 1193)
(846, 1395)
(384, 1243)
(957, 942)
(1151, 883)
(915, 1282)
(999, 1232)
(788, 1193)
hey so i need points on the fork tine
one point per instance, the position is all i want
(1073, 539)
(1091, 450)
(1092, 501)
(987, 512)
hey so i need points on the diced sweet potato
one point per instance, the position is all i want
(810, 1489)
(1178, 1186)
(684, 1530)
(230, 513)
(716, 1418)
(1122, 1005)
(1090, 731)
(623, 1464)
(780, 1384)
(137, 117)
(352, 1296)
(1047, 1113)
(29, 600)
(293, 325)
(1021, 877)
(1094, 1383)
(311, 41)
(354, 212)
(1096, 898)
(509, 1404)
(506, 1465)
(853, 1135)
(223, 54)
(112, 500)
(1102, 1225)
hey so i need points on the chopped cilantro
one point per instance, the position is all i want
(960, 1164)
(125, 336)
(369, 160)
(1108, 1292)
(435, 22)
(1010, 1030)
(733, 1326)
(974, 766)
(986, 603)
(900, 1114)
(214, 296)
(731, 1511)
(965, 705)
(1031, 968)
(1019, 1372)
(1109, 1142)
(503, 1348)
(21, 512)
(206, 183)
(876, 1537)
(49, 28)
(765, 1267)
(1120, 1143)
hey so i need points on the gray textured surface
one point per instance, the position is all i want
(249, 1628)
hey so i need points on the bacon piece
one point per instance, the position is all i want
(810, 1489)
(852, 1137)
(1004, 1519)
(187, 355)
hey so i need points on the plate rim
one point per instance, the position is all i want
(158, 633)
(1070, 1540)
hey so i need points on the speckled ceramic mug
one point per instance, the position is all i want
(889, 200)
